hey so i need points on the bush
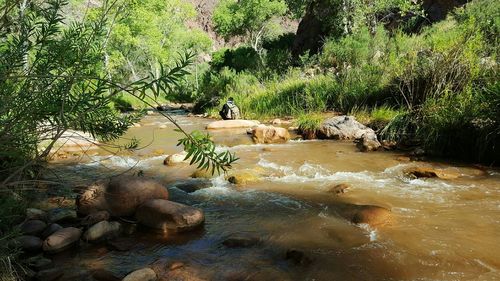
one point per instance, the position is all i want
(239, 59)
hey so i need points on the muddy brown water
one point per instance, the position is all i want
(440, 230)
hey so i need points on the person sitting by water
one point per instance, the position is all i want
(230, 110)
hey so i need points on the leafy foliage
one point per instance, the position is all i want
(201, 150)
(249, 18)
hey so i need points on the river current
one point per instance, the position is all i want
(440, 229)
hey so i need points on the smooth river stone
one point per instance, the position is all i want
(33, 227)
(30, 243)
(166, 215)
(62, 239)
(270, 134)
(145, 274)
(232, 124)
(101, 231)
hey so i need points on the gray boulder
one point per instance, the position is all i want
(347, 128)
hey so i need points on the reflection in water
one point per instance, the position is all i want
(441, 229)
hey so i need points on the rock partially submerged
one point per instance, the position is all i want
(62, 240)
(367, 214)
(176, 159)
(338, 188)
(270, 134)
(429, 172)
(101, 231)
(347, 128)
(242, 177)
(232, 124)
(120, 196)
(145, 274)
(169, 216)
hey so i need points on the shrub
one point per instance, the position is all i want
(239, 59)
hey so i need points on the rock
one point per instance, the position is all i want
(388, 145)
(343, 128)
(429, 172)
(184, 273)
(61, 215)
(243, 178)
(199, 174)
(166, 215)
(39, 263)
(297, 257)
(33, 227)
(369, 214)
(30, 243)
(190, 186)
(239, 241)
(368, 142)
(120, 196)
(95, 218)
(35, 214)
(53, 227)
(338, 189)
(145, 274)
(101, 231)
(104, 275)
(49, 274)
(232, 124)
(309, 134)
(176, 159)
(418, 152)
(176, 265)
(270, 134)
(92, 199)
(162, 126)
(62, 240)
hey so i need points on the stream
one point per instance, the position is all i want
(439, 229)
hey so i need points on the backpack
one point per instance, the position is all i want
(234, 112)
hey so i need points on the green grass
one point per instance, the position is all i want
(309, 122)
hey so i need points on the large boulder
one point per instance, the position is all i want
(62, 240)
(270, 134)
(166, 215)
(101, 231)
(347, 128)
(92, 199)
(232, 124)
(145, 274)
(120, 196)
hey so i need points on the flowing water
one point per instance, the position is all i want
(440, 229)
